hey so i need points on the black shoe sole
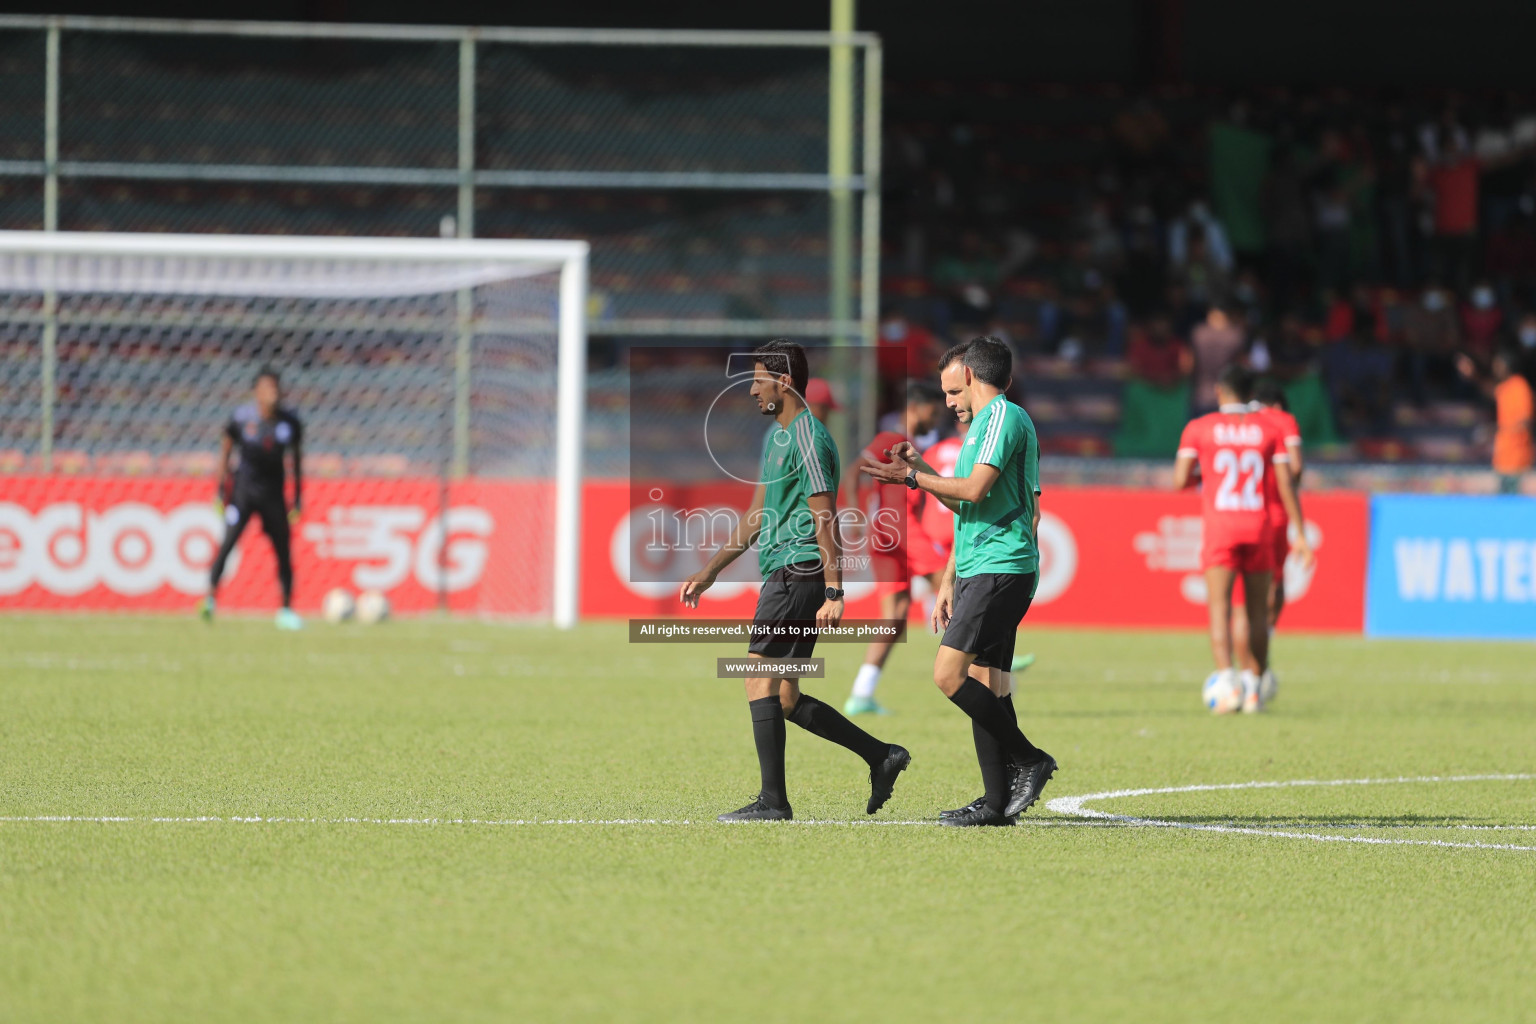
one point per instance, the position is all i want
(967, 821)
(1020, 802)
(957, 811)
(728, 817)
(902, 760)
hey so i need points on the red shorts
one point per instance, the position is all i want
(923, 555)
(1242, 558)
(890, 575)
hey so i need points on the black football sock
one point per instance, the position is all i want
(994, 767)
(815, 717)
(768, 734)
(1013, 716)
(987, 711)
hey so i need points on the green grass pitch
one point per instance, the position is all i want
(1056, 920)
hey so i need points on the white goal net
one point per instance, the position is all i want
(446, 363)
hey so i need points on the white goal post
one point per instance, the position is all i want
(338, 302)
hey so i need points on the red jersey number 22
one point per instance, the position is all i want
(1242, 474)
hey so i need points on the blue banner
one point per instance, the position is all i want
(1452, 567)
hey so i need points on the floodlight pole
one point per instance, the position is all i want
(464, 336)
(50, 223)
(840, 227)
(869, 259)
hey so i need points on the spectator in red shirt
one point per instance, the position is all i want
(1156, 354)
(1455, 181)
(1481, 321)
(1453, 185)
(906, 351)
(1339, 320)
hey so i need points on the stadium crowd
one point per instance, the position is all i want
(1360, 242)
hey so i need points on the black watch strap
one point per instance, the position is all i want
(834, 594)
(911, 480)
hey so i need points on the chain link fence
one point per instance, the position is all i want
(728, 182)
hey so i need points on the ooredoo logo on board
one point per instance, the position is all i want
(130, 548)
(147, 544)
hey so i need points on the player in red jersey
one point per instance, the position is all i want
(1269, 402)
(895, 513)
(935, 518)
(1236, 451)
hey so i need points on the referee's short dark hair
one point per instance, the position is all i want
(268, 371)
(781, 356)
(990, 360)
(954, 354)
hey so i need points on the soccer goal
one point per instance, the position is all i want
(431, 360)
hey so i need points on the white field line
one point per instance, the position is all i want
(1074, 806)
(257, 820)
(1106, 821)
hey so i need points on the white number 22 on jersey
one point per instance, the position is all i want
(1241, 473)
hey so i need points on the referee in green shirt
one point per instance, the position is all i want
(994, 567)
(793, 519)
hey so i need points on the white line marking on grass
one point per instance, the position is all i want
(1074, 806)
(209, 819)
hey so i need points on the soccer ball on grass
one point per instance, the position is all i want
(372, 607)
(338, 605)
(1223, 692)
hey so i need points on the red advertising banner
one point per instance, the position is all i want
(146, 544)
(1110, 557)
(1132, 558)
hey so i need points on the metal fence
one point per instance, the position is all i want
(729, 182)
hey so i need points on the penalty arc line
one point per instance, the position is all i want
(1073, 806)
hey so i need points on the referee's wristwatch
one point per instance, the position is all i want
(834, 594)
(911, 480)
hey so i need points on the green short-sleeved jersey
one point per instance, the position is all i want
(997, 533)
(798, 461)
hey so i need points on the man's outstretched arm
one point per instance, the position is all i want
(742, 535)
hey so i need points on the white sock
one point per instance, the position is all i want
(865, 682)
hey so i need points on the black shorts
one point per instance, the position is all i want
(986, 615)
(791, 594)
